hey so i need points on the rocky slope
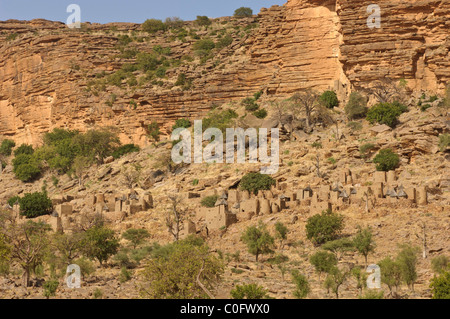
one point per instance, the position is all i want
(46, 68)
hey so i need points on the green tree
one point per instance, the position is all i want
(27, 172)
(324, 227)
(391, 273)
(80, 166)
(440, 286)
(28, 244)
(96, 144)
(407, 260)
(5, 255)
(339, 246)
(50, 287)
(100, 243)
(153, 131)
(323, 262)
(363, 242)
(302, 288)
(249, 291)
(254, 182)
(35, 204)
(258, 240)
(356, 106)
(153, 25)
(182, 270)
(184, 123)
(136, 236)
(281, 233)
(243, 12)
(386, 160)
(329, 99)
(209, 201)
(68, 246)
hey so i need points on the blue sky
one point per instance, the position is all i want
(104, 11)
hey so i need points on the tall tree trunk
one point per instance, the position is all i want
(26, 277)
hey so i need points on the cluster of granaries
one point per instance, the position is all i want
(235, 205)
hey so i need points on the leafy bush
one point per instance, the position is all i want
(356, 106)
(6, 147)
(203, 21)
(11, 37)
(25, 168)
(100, 243)
(24, 149)
(174, 22)
(302, 288)
(161, 72)
(35, 204)
(173, 271)
(366, 149)
(219, 119)
(324, 227)
(184, 123)
(147, 61)
(125, 275)
(153, 131)
(153, 26)
(261, 114)
(204, 45)
(386, 160)
(209, 201)
(439, 263)
(440, 286)
(323, 261)
(253, 182)
(243, 12)
(444, 141)
(258, 240)
(181, 80)
(390, 273)
(136, 236)
(125, 149)
(329, 99)
(13, 200)
(249, 291)
(50, 287)
(425, 107)
(385, 113)
(224, 41)
(250, 104)
(363, 242)
(372, 294)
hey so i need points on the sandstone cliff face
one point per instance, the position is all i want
(303, 44)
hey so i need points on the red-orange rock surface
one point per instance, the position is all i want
(318, 44)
